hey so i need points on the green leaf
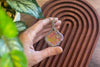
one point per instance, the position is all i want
(6, 61)
(13, 43)
(20, 26)
(0, 61)
(7, 26)
(26, 6)
(8, 44)
(3, 48)
(14, 59)
(39, 9)
(0, 34)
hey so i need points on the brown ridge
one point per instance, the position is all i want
(80, 27)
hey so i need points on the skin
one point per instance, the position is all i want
(33, 35)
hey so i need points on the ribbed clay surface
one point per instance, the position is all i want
(80, 27)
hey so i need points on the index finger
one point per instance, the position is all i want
(40, 24)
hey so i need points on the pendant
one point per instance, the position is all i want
(54, 37)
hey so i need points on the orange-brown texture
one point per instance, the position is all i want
(80, 27)
(95, 58)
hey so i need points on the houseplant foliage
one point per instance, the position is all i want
(26, 6)
(11, 49)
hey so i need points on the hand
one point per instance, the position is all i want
(33, 35)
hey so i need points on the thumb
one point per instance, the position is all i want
(50, 52)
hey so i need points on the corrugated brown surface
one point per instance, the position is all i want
(80, 27)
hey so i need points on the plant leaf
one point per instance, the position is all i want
(7, 26)
(3, 48)
(13, 43)
(5, 61)
(20, 25)
(14, 59)
(26, 6)
(8, 44)
(39, 9)
(0, 34)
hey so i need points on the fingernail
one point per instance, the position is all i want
(55, 18)
(59, 21)
(59, 50)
